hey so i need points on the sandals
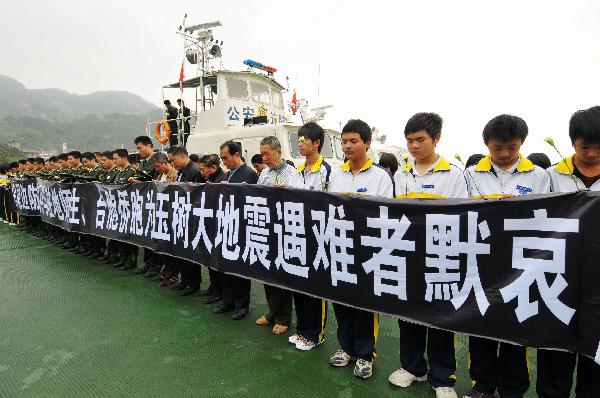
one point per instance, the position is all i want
(262, 321)
(279, 329)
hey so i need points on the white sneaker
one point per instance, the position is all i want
(445, 392)
(363, 369)
(305, 344)
(339, 359)
(294, 339)
(403, 378)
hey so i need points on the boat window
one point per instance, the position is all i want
(337, 142)
(326, 150)
(277, 99)
(237, 88)
(260, 93)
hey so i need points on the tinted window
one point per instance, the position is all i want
(260, 93)
(237, 88)
(326, 150)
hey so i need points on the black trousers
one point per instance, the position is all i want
(236, 291)
(280, 305)
(216, 285)
(555, 375)
(357, 331)
(414, 339)
(311, 317)
(501, 366)
(190, 273)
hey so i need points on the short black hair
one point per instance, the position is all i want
(256, 159)
(313, 132)
(134, 158)
(428, 121)
(474, 159)
(121, 152)
(505, 128)
(75, 154)
(540, 160)
(194, 158)
(210, 160)
(142, 139)
(360, 127)
(88, 156)
(389, 161)
(177, 151)
(167, 102)
(233, 147)
(107, 154)
(585, 124)
(62, 156)
(52, 159)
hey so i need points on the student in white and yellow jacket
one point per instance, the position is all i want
(430, 177)
(358, 329)
(578, 172)
(504, 172)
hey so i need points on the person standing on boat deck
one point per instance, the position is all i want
(172, 114)
(184, 112)
(236, 290)
(188, 172)
(277, 173)
(503, 173)
(431, 176)
(257, 163)
(311, 312)
(210, 168)
(580, 171)
(358, 329)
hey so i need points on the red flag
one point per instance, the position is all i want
(181, 76)
(294, 103)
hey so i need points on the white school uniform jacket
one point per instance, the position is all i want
(484, 180)
(442, 180)
(317, 177)
(563, 180)
(370, 180)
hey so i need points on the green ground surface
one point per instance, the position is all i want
(73, 327)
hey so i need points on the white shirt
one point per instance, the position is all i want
(370, 180)
(282, 175)
(441, 180)
(317, 178)
(563, 180)
(525, 178)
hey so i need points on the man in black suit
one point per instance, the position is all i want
(236, 290)
(210, 168)
(188, 172)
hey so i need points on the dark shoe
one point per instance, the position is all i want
(211, 299)
(164, 282)
(222, 308)
(476, 394)
(118, 264)
(189, 290)
(206, 292)
(239, 314)
(151, 273)
(179, 286)
(128, 265)
(103, 257)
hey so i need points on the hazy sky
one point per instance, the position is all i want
(380, 61)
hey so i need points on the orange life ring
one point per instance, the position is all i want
(163, 139)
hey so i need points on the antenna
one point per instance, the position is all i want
(202, 26)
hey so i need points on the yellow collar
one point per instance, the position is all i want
(441, 165)
(315, 167)
(346, 166)
(525, 164)
(565, 166)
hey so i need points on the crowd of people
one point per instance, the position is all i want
(426, 354)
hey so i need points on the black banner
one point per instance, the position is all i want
(522, 270)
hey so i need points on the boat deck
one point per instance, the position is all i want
(73, 327)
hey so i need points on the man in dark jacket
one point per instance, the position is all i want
(236, 290)
(188, 172)
(184, 112)
(172, 114)
(211, 171)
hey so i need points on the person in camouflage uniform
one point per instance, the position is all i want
(112, 170)
(74, 170)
